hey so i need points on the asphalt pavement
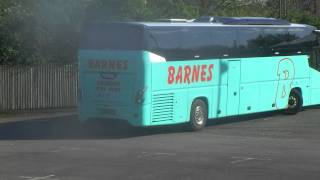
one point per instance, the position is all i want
(267, 146)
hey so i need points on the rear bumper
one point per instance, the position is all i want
(138, 116)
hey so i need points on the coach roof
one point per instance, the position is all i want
(192, 24)
(201, 24)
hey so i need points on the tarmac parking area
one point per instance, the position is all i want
(266, 146)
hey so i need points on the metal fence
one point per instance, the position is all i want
(47, 86)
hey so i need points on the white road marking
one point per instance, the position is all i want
(245, 159)
(64, 149)
(165, 154)
(50, 177)
(241, 159)
(146, 154)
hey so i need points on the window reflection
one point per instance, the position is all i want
(226, 42)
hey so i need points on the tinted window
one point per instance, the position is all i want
(275, 37)
(251, 42)
(223, 42)
(186, 43)
(305, 39)
(293, 41)
(208, 42)
(165, 41)
(114, 36)
(300, 32)
(270, 41)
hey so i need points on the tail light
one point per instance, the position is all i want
(139, 98)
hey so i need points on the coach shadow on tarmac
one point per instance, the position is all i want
(70, 128)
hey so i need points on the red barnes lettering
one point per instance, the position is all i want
(189, 75)
(203, 73)
(171, 72)
(187, 71)
(210, 72)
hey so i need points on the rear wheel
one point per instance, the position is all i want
(294, 103)
(198, 115)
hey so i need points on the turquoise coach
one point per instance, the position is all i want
(162, 73)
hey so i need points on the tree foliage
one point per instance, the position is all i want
(34, 31)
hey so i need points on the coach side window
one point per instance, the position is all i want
(224, 41)
(250, 41)
(276, 40)
(208, 42)
(196, 43)
(166, 42)
(300, 32)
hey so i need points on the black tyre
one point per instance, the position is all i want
(295, 102)
(198, 115)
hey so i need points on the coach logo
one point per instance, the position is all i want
(187, 74)
(108, 64)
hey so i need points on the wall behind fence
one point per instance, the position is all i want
(47, 86)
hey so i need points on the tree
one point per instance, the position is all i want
(44, 31)
(39, 31)
(298, 11)
(13, 14)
